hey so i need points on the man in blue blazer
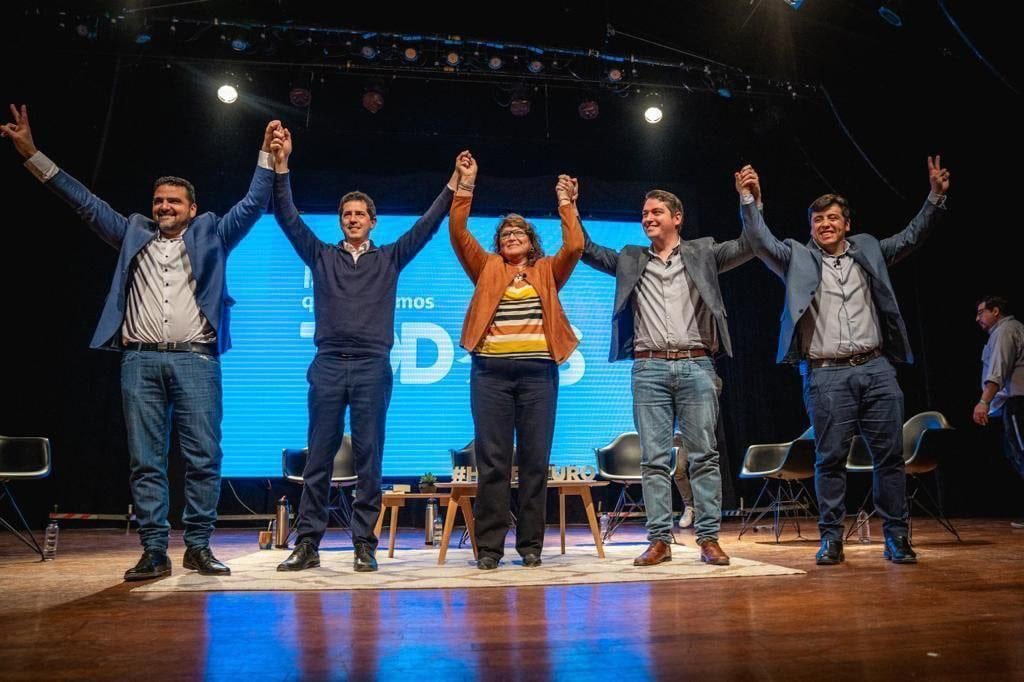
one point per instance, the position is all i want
(669, 316)
(842, 325)
(167, 312)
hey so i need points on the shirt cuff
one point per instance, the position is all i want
(937, 200)
(265, 160)
(746, 198)
(41, 166)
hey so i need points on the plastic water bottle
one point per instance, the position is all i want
(50, 541)
(604, 524)
(863, 528)
(438, 530)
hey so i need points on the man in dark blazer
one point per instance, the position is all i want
(842, 325)
(668, 316)
(167, 312)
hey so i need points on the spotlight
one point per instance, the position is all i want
(535, 66)
(368, 52)
(300, 97)
(890, 16)
(588, 110)
(410, 54)
(240, 43)
(725, 92)
(520, 106)
(795, 4)
(373, 100)
(453, 58)
(227, 94)
(653, 114)
(143, 36)
(82, 30)
(495, 63)
(614, 75)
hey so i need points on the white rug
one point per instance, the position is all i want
(416, 569)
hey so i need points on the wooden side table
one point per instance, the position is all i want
(394, 501)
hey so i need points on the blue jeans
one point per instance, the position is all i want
(844, 401)
(160, 390)
(361, 383)
(683, 394)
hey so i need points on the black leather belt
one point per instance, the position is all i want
(851, 361)
(670, 354)
(174, 347)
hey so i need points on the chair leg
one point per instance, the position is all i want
(29, 539)
(937, 515)
(616, 518)
(857, 524)
(747, 523)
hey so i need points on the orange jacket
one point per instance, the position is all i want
(492, 276)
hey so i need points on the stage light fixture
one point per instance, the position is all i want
(653, 114)
(519, 106)
(495, 63)
(453, 58)
(143, 36)
(588, 110)
(240, 43)
(724, 92)
(614, 75)
(368, 52)
(890, 16)
(227, 93)
(795, 4)
(410, 54)
(535, 66)
(300, 97)
(373, 99)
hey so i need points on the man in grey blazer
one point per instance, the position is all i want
(842, 325)
(668, 316)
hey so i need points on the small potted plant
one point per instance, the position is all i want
(428, 483)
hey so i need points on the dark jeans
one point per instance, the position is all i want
(1013, 432)
(512, 398)
(363, 385)
(158, 390)
(842, 402)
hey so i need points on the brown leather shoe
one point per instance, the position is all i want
(655, 553)
(711, 553)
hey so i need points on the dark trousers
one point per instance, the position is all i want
(512, 399)
(842, 402)
(1013, 432)
(363, 385)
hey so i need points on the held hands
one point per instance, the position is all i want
(466, 168)
(268, 135)
(566, 189)
(748, 181)
(980, 415)
(938, 177)
(20, 132)
(280, 146)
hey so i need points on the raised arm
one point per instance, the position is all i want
(771, 251)
(568, 255)
(295, 229)
(467, 248)
(237, 222)
(424, 229)
(932, 213)
(98, 214)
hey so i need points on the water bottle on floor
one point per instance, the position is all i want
(863, 528)
(50, 541)
(438, 530)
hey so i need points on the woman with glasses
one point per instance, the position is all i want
(518, 334)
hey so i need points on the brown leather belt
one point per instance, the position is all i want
(851, 361)
(670, 354)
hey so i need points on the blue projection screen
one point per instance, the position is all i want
(272, 335)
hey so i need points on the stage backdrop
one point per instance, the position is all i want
(272, 329)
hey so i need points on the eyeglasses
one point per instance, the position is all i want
(508, 234)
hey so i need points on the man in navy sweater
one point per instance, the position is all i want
(354, 286)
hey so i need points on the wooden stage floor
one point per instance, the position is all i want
(958, 614)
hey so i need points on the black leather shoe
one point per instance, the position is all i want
(531, 560)
(305, 555)
(899, 551)
(201, 559)
(831, 553)
(364, 561)
(487, 563)
(153, 564)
